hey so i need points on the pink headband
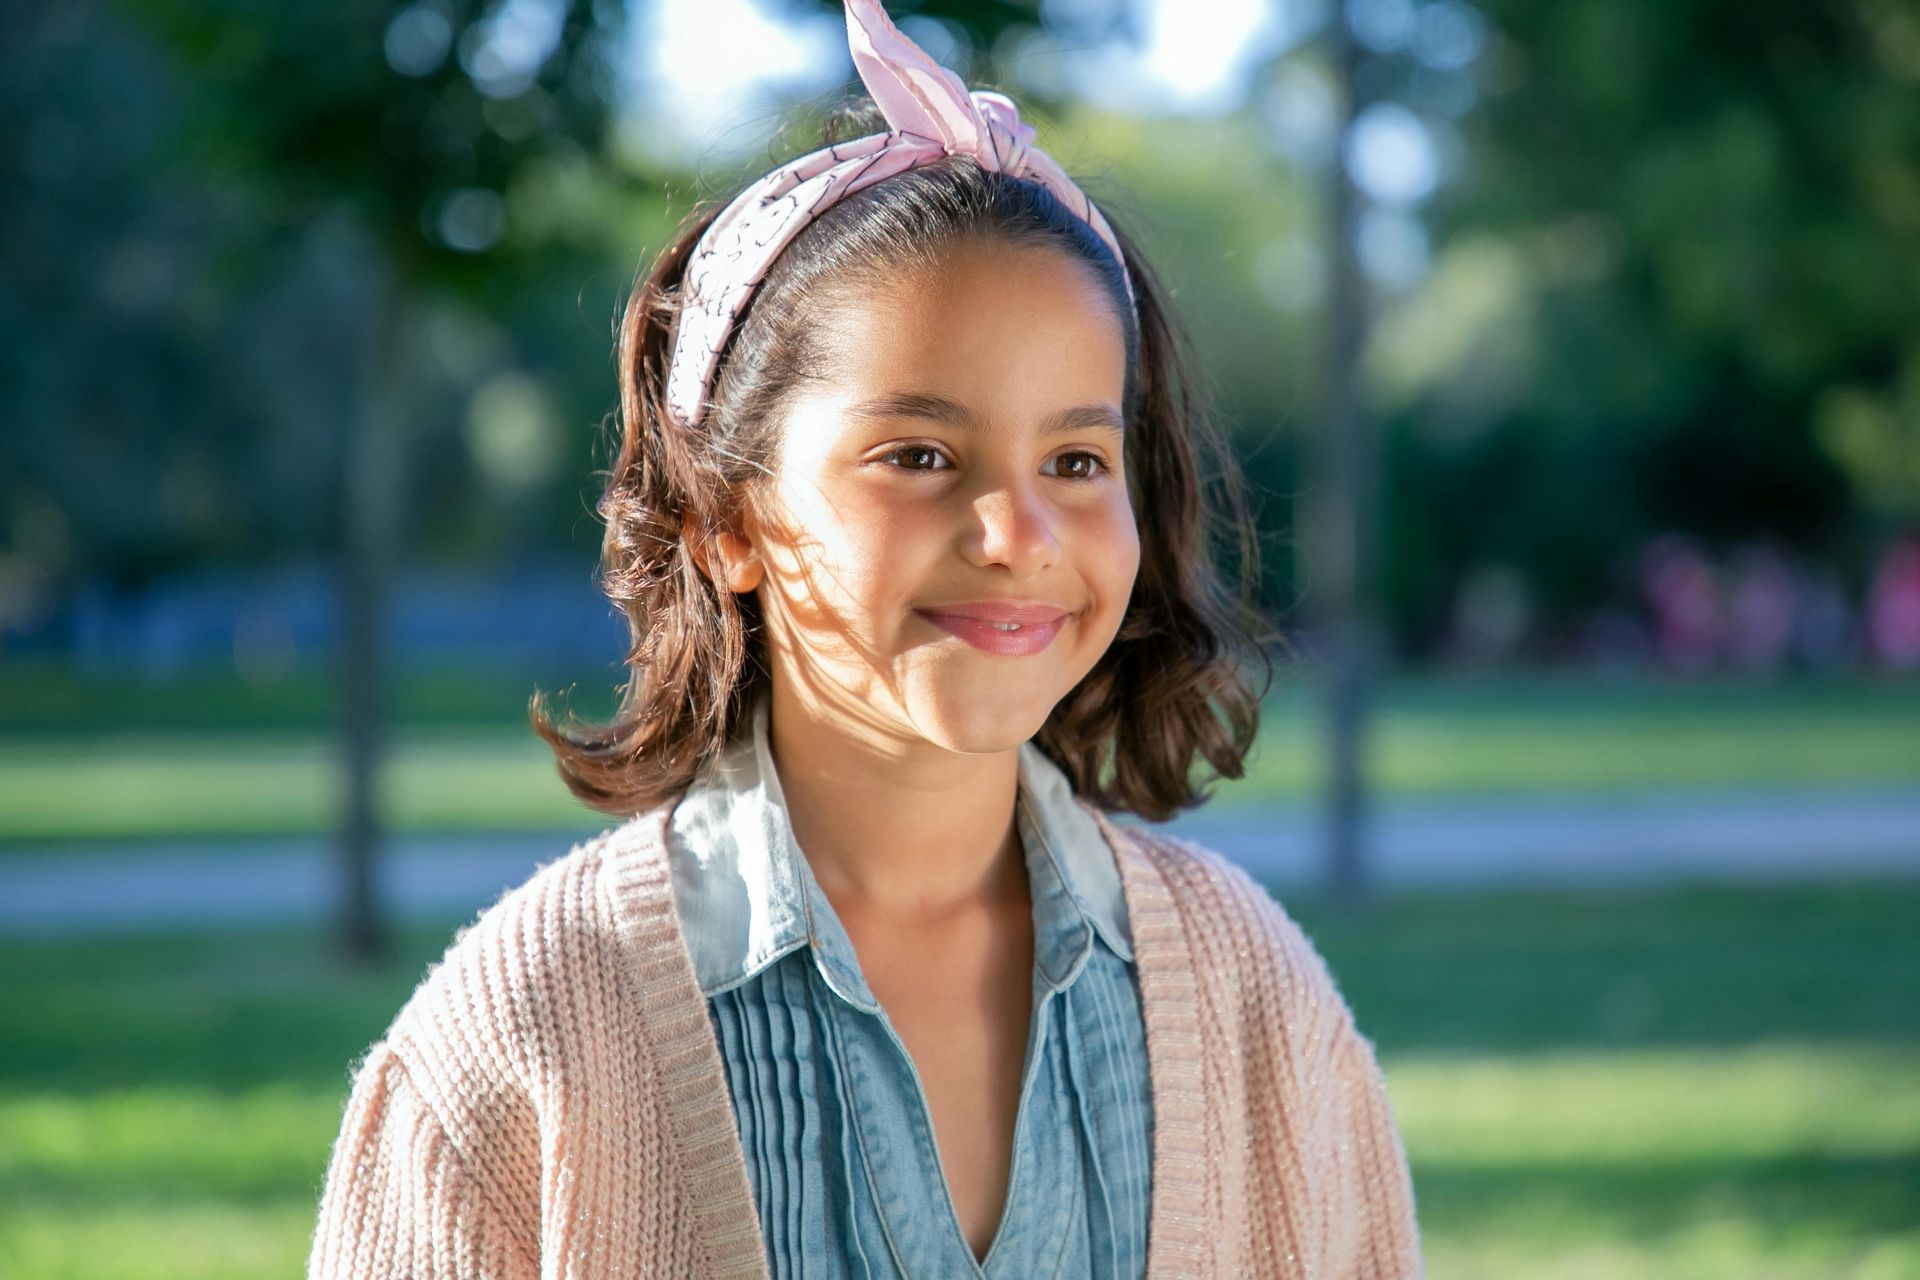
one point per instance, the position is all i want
(930, 113)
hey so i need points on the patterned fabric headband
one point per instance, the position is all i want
(930, 114)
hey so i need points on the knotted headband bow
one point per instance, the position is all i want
(930, 114)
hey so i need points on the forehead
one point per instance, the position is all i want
(1009, 332)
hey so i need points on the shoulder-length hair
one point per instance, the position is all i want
(1173, 685)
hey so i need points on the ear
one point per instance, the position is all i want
(739, 568)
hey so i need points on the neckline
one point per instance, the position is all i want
(739, 875)
(692, 1077)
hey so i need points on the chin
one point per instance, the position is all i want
(962, 716)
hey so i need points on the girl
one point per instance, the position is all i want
(916, 553)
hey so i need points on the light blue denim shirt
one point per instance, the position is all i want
(831, 1112)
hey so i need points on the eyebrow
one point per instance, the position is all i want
(938, 408)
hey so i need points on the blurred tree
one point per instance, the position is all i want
(1874, 435)
(1673, 263)
(201, 200)
(406, 128)
(1678, 230)
(408, 169)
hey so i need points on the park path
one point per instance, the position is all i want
(1458, 841)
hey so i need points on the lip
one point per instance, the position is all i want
(973, 621)
(1024, 612)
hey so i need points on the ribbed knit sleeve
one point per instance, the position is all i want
(1299, 1113)
(399, 1202)
(1365, 1227)
(1385, 1242)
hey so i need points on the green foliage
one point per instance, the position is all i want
(1674, 290)
(253, 180)
(1672, 287)
(1875, 437)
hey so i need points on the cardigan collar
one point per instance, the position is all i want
(746, 895)
(699, 1109)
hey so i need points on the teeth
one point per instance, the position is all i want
(1007, 626)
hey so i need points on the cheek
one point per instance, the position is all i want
(856, 546)
(1114, 554)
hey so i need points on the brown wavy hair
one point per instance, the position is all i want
(1174, 684)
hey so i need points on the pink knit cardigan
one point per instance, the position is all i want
(551, 1102)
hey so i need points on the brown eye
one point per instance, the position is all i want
(1085, 466)
(914, 457)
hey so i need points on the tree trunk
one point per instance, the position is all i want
(373, 490)
(1341, 506)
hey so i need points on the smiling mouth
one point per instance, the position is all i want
(1006, 639)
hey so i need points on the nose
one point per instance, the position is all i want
(1012, 526)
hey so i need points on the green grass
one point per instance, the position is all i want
(48, 699)
(210, 757)
(1776, 1160)
(237, 785)
(1698, 1082)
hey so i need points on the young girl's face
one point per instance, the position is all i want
(964, 453)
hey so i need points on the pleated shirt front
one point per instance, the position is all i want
(832, 1116)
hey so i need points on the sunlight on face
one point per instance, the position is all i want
(986, 466)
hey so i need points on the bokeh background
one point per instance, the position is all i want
(306, 316)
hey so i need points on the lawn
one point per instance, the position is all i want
(85, 761)
(1697, 1082)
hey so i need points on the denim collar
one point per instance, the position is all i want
(746, 895)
